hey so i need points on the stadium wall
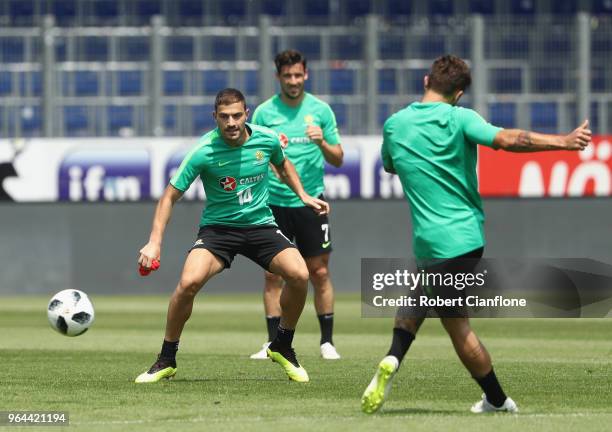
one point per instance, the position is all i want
(47, 247)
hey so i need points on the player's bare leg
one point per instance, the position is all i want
(290, 265)
(199, 267)
(318, 267)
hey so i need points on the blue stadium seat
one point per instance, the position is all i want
(565, 7)
(65, 11)
(179, 48)
(432, 46)
(522, 7)
(440, 7)
(503, 114)
(250, 82)
(233, 10)
(347, 47)
(119, 117)
(145, 9)
(601, 46)
(32, 126)
(6, 83)
(601, 7)
(557, 45)
(95, 48)
(34, 79)
(341, 81)
(170, 119)
(391, 47)
(105, 11)
(384, 112)
(134, 48)
(415, 80)
(11, 50)
(129, 83)
(386, 81)
(507, 80)
(549, 79)
(86, 83)
(310, 46)
(202, 119)
(544, 117)
(273, 7)
(398, 9)
(75, 120)
(174, 83)
(316, 8)
(341, 112)
(514, 46)
(598, 79)
(483, 7)
(190, 11)
(357, 8)
(223, 48)
(21, 12)
(214, 81)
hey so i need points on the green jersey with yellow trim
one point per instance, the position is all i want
(235, 178)
(290, 123)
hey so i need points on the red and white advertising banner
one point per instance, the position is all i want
(547, 174)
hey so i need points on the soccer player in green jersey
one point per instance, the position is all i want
(232, 161)
(431, 146)
(308, 131)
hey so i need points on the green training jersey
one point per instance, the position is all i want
(235, 178)
(432, 147)
(290, 123)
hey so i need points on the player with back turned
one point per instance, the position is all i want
(308, 130)
(431, 146)
(232, 161)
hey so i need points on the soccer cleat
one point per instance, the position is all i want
(286, 358)
(328, 352)
(375, 394)
(484, 406)
(161, 369)
(262, 354)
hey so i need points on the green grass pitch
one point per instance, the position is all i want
(558, 371)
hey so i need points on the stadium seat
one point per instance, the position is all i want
(202, 119)
(145, 9)
(174, 83)
(398, 9)
(273, 7)
(310, 46)
(6, 83)
(503, 114)
(21, 12)
(483, 7)
(32, 126)
(415, 80)
(506, 80)
(134, 48)
(11, 50)
(384, 111)
(565, 7)
(85, 83)
(549, 79)
(386, 81)
(190, 11)
(601, 7)
(514, 46)
(316, 8)
(557, 45)
(341, 81)
(170, 119)
(250, 82)
(34, 79)
(223, 48)
(432, 46)
(95, 48)
(179, 48)
(129, 83)
(440, 7)
(347, 47)
(233, 10)
(119, 117)
(105, 11)
(598, 79)
(64, 11)
(544, 117)
(341, 112)
(75, 120)
(391, 47)
(357, 8)
(214, 80)
(522, 7)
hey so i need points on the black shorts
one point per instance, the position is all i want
(258, 243)
(465, 263)
(310, 231)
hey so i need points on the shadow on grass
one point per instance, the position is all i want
(225, 379)
(417, 411)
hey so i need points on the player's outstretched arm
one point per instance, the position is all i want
(152, 250)
(289, 176)
(516, 140)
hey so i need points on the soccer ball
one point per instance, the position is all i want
(70, 312)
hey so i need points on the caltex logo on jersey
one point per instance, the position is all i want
(284, 140)
(227, 183)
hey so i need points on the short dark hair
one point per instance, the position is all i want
(449, 74)
(229, 96)
(289, 58)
